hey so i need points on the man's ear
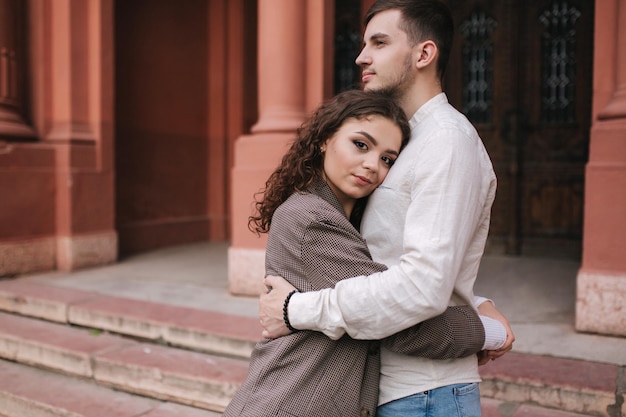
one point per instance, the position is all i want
(427, 54)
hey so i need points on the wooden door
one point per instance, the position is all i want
(521, 71)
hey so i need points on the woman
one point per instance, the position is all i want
(311, 207)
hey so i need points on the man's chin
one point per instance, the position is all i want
(370, 87)
(390, 91)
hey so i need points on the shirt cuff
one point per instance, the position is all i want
(478, 300)
(310, 311)
(495, 333)
(297, 309)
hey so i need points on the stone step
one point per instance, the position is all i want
(515, 382)
(30, 392)
(575, 386)
(183, 376)
(58, 395)
(497, 408)
(202, 330)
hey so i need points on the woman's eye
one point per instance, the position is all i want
(360, 145)
(388, 160)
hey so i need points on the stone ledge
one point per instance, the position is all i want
(53, 346)
(160, 372)
(564, 384)
(190, 378)
(55, 395)
(600, 303)
(27, 256)
(37, 300)
(184, 327)
(86, 250)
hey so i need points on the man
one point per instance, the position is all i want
(428, 222)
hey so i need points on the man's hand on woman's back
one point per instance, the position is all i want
(271, 307)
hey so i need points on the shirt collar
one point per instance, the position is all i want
(427, 108)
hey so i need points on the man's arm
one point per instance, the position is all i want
(457, 333)
(272, 319)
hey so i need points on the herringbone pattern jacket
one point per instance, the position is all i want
(313, 245)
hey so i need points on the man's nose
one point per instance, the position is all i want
(363, 58)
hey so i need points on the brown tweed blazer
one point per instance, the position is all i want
(313, 245)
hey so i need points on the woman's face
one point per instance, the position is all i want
(358, 156)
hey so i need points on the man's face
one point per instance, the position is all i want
(387, 59)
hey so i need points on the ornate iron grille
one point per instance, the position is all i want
(478, 67)
(558, 64)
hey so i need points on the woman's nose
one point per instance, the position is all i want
(371, 162)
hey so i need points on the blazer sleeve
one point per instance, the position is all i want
(456, 333)
(332, 252)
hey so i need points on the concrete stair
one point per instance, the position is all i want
(32, 392)
(76, 353)
(529, 385)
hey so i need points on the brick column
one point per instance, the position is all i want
(281, 66)
(281, 72)
(601, 282)
(75, 49)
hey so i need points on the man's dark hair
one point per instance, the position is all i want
(422, 20)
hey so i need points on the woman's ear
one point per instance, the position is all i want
(426, 54)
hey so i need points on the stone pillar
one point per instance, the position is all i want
(601, 281)
(74, 41)
(12, 67)
(281, 65)
(281, 72)
(295, 74)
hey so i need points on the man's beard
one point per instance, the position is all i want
(393, 91)
(397, 89)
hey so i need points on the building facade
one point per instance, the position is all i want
(128, 126)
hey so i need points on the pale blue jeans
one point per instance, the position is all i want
(459, 400)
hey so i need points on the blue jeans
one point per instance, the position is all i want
(459, 400)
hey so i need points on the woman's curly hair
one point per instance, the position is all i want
(302, 165)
